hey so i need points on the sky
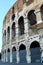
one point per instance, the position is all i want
(5, 5)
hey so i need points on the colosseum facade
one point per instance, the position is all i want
(22, 39)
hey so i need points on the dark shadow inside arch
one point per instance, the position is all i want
(8, 30)
(13, 17)
(13, 30)
(14, 54)
(22, 53)
(35, 52)
(41, 10)
(34, 44)
(0, 56)
(21, 25)
(8, 55)
(5, 32)
(31, 17)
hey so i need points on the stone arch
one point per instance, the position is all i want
(31, 17)
(13, 30)
(35, 52)
(22, 53)
(8, 34)
(8, 55)
(21, 25)
(14, 54)
(41, 10)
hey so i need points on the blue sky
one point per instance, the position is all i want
(5, 5)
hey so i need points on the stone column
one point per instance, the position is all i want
(6, 37)
(2, 57)
(26, 30)
(6, 56)
(28, 57)
(6, 46)
(26, 39)
(11, 55)
(26, 25)
(10, 35)
(41, 56)
(17, 34)
(10, 44)
(17, 31)
(17, 53)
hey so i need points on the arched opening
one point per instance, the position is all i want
(8, 34)
(22, 52)
(35, 52)
(13, 17)
(31, 17)
(8, 55)
(41, 9)
(14, 54)
(21, 25)
(13, 30)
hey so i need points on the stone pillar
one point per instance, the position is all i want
(17, 31)
(17, 34)
(10, 34)
(2, 57)
(6, 56)
(26, 25)
(11, 55)
(17, 53)
(26, 30)
(41, 56)
(10, 44)
(28, 57)
(6, 37)
(6, 46)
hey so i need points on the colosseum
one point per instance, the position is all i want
(22, 39)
